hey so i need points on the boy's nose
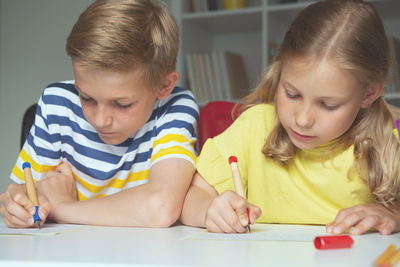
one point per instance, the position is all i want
(102, 117)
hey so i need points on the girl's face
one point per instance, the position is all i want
(116, 104)
(317, 103)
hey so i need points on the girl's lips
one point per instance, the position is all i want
(302, 137)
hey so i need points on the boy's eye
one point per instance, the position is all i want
(123, 106)
(85, 99)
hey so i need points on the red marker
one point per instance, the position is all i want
(333, 242)
(237, 181)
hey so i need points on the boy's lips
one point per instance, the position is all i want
(106, 133)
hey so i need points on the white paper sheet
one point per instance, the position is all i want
(46, 229)
(266, 232)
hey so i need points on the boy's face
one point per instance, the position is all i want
(317, 103)
(116, 104)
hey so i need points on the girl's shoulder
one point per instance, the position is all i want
(259, 112)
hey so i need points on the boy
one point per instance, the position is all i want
(121, 135)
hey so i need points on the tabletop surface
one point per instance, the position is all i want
(119, 246)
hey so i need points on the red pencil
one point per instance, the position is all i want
(237, 181)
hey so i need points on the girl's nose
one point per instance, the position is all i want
(304, 118)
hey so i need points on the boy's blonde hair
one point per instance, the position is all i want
(122, 35)
(351, 34)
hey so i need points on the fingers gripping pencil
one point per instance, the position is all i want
(31, 191)
(237, 181)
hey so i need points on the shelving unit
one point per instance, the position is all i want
(249, 30)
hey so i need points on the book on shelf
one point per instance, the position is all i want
(238, 82)
(217, 75)
(393, 80)
(204, 5)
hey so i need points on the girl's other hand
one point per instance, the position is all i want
(227, 213)
(18, 210)
(361, 218)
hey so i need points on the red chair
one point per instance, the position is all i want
(214, 118)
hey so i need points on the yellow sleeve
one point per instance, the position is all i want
(213, 163)
(244, 139)
(214, 168)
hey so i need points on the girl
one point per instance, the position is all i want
(315, 140)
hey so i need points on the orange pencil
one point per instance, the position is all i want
(237, 181)
(394, 258)
(385, 256)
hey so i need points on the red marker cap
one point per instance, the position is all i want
(333, 241)
(232, 159)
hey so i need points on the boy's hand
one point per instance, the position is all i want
(59, 188)
(227, 213)
(17, 209)
(361, 218)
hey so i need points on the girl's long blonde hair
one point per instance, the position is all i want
(351, 34)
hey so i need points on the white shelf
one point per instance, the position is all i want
(392, 96)
(222, 13)
(249, 30)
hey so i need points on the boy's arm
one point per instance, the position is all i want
(157, 203)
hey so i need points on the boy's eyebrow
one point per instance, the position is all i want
(114, 99)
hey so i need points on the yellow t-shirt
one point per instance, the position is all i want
(311, 189)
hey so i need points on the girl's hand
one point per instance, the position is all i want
(59, 188)
(18, 210)
(361, 218)
(227, 213)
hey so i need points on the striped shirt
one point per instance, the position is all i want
(62, 134)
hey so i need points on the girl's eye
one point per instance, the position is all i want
(329, 107)
(291, 95)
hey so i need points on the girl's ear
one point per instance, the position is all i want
(168, 84)
(372, 93)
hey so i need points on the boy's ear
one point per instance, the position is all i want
(372, 93)
(168, 84)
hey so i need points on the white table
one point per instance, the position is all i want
(107, 246)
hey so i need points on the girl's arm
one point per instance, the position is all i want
(203, 207)
(157, 203)
(197, 201)
(361, 218)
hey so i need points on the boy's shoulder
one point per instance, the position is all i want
(62, 95)
(179, 93)
(61, 90)
(180, 100)
(66, 85)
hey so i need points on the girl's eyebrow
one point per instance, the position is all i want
(335, 98)
(287, 84)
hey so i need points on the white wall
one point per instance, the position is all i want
(32, 55)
